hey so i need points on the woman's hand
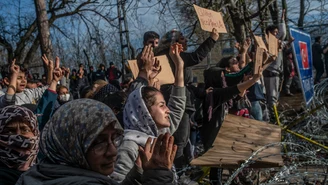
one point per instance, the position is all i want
(158, 154)
(175, 51)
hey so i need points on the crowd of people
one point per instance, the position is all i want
(84, 127)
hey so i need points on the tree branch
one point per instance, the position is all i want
(261, 9)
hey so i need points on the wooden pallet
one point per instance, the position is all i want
(238, 139)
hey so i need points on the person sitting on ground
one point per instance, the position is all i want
(80, 146)
(146, 114)
(19, 140)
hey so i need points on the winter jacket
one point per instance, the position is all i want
(28, 96)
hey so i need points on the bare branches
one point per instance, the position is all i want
(260, 10)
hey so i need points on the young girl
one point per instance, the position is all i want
(147, 115)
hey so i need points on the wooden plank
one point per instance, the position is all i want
(238, 139)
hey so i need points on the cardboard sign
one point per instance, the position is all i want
(258, 60)
(302, 53)
(210, 19)
(165, 76)
(273, 44)
(260, 43)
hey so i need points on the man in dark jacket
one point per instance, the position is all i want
(190, 59)
(101, 73)
(317, 52)
(91, 75)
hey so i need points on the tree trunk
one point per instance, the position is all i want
(31, 52)
(300, 23)
(43, 28)
(238, 24)
(274, 11)
(263, 16)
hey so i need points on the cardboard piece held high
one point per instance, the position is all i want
(260, 43)
(273, 44)
(258, 60)
(165, 76)
(238, 139)
(210, 19)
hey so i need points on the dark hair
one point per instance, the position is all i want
(80, 65)
(150, 35)
(32, 81)
(148, 95)
(270, 28)
(5, 71)
(61, 87)
(317, 39)
(101, 65)
(111, 63)
(116, 100)
(201, 85)
(127, 78)
(85, 91)
(224, 62)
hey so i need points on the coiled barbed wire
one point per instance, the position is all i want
(313, 126)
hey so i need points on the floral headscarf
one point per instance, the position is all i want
(104, 92)
(75, 125)
(16, 150)
(137, 117)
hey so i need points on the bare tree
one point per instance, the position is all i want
(43, 28)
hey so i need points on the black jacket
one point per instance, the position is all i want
(189, 59)
(214, 78)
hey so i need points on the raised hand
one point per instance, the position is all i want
(245, 47)
(48, 63)
(283, 14)
(57, 73)
(209, 90)
(147, 58)
(175, 54)
(149, 65)
(159, 154)
(257, 76)
(215, 34)
(14, 68)
(155, 70)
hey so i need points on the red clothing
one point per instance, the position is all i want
(111, 75)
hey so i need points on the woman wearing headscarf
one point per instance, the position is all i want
(19, 140)
(190, 59)
(146, 115)
(79, 143)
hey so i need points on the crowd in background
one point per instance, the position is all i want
(83, 126)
